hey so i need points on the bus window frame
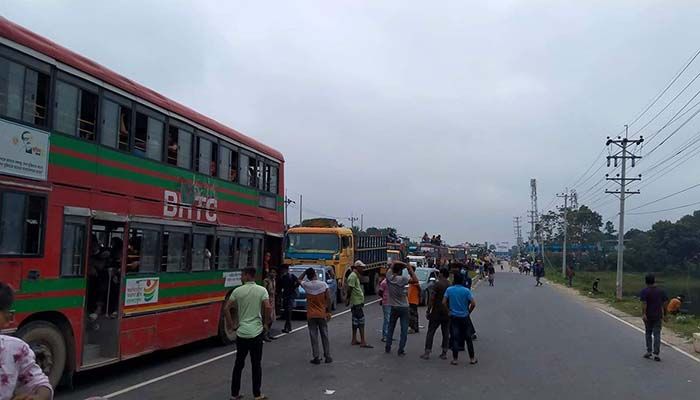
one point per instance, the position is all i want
(82, 85)
(42, 236)
(38, 66)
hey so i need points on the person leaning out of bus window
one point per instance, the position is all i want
(132, 255)
(21, 378)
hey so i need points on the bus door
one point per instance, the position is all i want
(104, 279)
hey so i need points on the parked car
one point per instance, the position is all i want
(324, 273)
(426, 278)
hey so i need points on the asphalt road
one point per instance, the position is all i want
(533, 343)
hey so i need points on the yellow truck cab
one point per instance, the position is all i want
(339, 248)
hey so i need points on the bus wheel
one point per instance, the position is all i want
(49, 347)
(226, 336)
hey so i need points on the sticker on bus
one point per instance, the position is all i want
(141, 291)
(24, 151)
(232, 279)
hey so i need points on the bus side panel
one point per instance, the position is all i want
(138, 335)
(179, 327)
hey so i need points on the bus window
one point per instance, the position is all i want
(179, 147)
(224, 163)
(244, 177)
(245, 253)
(225, 250)
(116, 125)
(142, 253)
(148, 137)
(174, 250)
(206, 156)
(24, 93)
(73, 247)
(75, 111)
(202, 246)
(22, 223)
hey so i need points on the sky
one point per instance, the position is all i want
(425, 116)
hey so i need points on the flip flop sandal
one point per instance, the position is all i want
(453, 362)
(367, 346)
(474, 362)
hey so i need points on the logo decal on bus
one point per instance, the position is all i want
(201, 207)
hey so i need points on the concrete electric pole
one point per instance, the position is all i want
(566, 195)
(623, 154)
(518, 234)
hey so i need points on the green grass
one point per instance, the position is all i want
(633, 283)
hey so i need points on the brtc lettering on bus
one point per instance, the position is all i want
(173, 206)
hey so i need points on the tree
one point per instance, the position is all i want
(609, 229)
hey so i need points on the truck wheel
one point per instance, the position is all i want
(370, 289)
(49, 347)
(226, 336)
(341, 297)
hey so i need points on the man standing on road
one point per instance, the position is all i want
(413, 301)
(399, 303)
(491, 270)
(288, 288)
(570, 275)
(251, 305)
(538, 271)
(270, 284)
(461, 304)
(318, 306)
(383, 293)
(653, 311)
(438, 316)
(356, 301)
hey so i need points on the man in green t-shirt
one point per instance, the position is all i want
(356, 301)
(250, 306)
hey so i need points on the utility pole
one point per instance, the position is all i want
(352, 220)
(565, 196)
(362, 221)
(534, 218)
(622, 154)
(287, 202)
(518, 234)
(301, 199)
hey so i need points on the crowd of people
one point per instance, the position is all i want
(250, 311)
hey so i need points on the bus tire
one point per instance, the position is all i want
(49, 346)
(226, 336)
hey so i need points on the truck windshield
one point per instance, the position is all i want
(313, 242)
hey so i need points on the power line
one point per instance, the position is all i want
(669, 168)
(666, 209)
(675, 78)
(670, 121)
(589, 169)
(666, 197)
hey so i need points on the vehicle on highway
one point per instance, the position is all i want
(418, 261)
(323, 241)
(134, 215)
(426, 278)
(324, 273)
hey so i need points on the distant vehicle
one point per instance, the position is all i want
(418, 261)
(426, 278)
(393, 255)
(324, 242)
(324, 273)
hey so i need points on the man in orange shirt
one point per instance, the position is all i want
(318, 305)
(413, 300)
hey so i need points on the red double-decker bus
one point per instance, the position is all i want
(125, 217)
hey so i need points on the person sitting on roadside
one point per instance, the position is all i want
(674, 306)
(596, 282)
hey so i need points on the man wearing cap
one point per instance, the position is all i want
(356, 301)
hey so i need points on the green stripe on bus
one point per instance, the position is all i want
(113, 155)
(190, 277)
(51, 285)
(47, 304)
(191, 290)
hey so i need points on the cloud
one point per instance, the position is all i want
(427, 117)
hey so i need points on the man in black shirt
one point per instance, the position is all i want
(287, 287)
(653, 312)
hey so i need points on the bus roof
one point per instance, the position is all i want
(33, 41)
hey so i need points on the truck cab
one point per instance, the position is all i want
(333, 247)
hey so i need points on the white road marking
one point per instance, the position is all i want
(205, 362)
(685, 353)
